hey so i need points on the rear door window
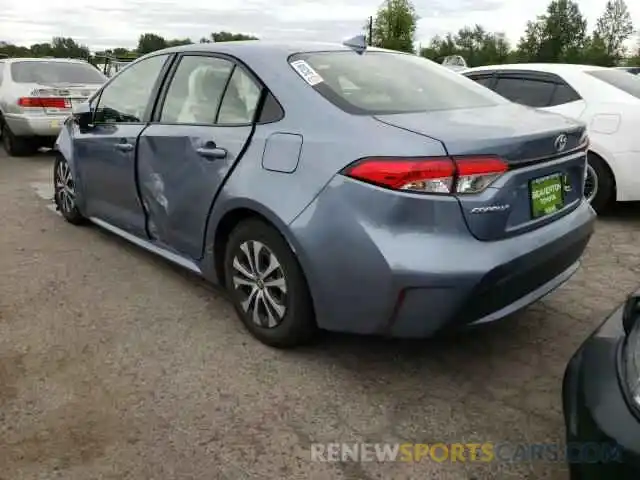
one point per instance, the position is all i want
(563, 94)
(526, 91)
(384, 83)
(46, 73)
(484, 80)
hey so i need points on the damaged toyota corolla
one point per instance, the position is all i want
(331, 186)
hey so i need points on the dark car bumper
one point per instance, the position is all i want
(596, 409)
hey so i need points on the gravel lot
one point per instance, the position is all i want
(114, 365)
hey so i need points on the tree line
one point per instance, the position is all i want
(65, 47)
(558, 35)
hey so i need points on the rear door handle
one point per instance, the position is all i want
(124, 147)
(212, 152)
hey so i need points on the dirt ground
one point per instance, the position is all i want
(116, 365)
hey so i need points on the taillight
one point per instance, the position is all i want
(44, 102)
(474, 174)
(469, 174)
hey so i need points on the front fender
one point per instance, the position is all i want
(64, 146)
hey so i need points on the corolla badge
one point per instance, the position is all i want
(560, 142)
(491, 208)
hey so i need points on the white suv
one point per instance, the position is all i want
(36, 96)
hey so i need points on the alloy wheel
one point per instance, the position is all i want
(64, 188)
(259, 279)
(590, 183)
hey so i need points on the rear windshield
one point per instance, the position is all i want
(619, 79)
(383, 83)
(55, 72)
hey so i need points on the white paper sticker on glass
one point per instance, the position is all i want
(309, 74)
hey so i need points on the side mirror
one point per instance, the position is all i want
(82, 114)
(631, 313)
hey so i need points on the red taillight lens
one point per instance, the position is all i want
(44, 102)
(474, 174)
(429, 175)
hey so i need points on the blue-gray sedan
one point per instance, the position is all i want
(330, 186)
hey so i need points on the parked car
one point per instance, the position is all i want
(36, 95)
(455, 62)
(329, 187)
(634, 70)
(607, 100)
(601, 397)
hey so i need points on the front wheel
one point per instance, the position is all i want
(599, 184)
(64, 191)
(267, 286)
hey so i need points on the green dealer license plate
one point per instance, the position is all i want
(546, 195)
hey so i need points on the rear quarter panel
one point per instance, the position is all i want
(331, 140)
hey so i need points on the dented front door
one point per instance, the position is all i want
(181, 168)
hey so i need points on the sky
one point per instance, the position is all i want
(120, 22)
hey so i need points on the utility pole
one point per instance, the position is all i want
(370, 31)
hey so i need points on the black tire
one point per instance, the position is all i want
(297, 325)
(15, 146)
(67, 208)
(605, 183)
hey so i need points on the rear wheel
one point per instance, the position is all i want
(64, 191)
(15, 146)
(599, 184)
(267, 286)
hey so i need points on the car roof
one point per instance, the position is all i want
(538, 67)
(262, 47)
(45, 59)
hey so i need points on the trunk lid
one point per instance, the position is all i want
(544, 153)
(73, 92)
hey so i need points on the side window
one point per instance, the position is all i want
(534, 93)
(484, 80)
(240, 100)
(564, 94)
(271, 110)
(126, 98)
(196, 90)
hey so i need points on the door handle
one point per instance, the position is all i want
(124, 147)
(212, 152)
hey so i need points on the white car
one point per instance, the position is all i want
(606, 99)
(455, 62)
(36, 96)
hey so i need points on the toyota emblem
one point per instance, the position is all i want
(561, 142)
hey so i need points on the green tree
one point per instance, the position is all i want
(440, 47)
(528, 49)
(66, 47)
(559, 35)
(474, 44)
(176, 42)
(218, 37)
(614, 27)
(395, 26)
(41, 50)
(150, 42)
(595, 52)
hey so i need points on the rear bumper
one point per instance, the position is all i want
(35, 126)
(595, 409)
(407, 267)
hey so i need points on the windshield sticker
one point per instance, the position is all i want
(305, 71)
